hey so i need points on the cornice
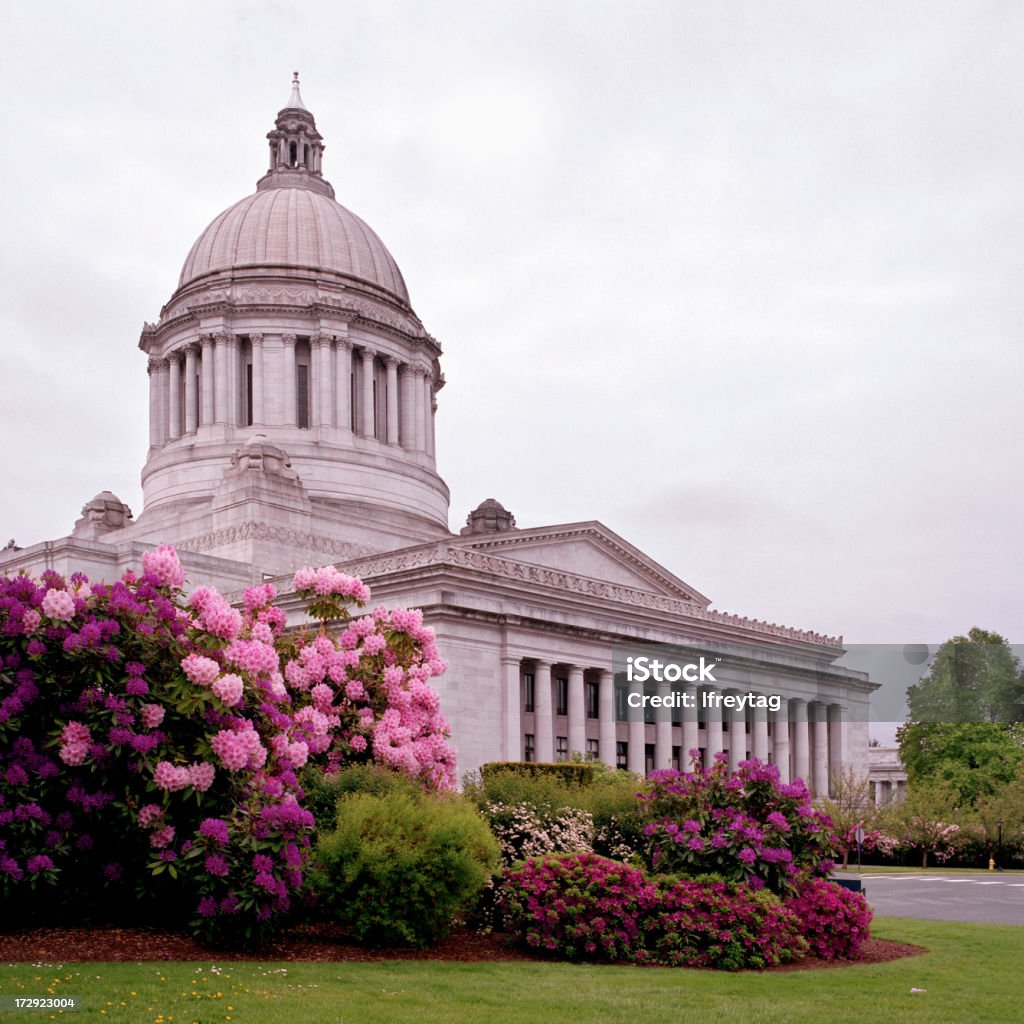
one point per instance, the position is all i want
(446, 553)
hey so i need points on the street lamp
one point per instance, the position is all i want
(999, 853)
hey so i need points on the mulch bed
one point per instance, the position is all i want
(310, 944)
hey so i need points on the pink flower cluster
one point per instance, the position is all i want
(164, 566)
(152, 715)
(327, 580)
(199, 775)
(215, 614)
(75, 741)
(201, 671)
(59, 605)
(239, 748)
(228, 689)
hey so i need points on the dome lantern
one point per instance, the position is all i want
(296, 149)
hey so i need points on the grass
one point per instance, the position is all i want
(971, 974)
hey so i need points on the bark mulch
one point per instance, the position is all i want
(310, 944)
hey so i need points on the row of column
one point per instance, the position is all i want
(204, 383)
(805, 740)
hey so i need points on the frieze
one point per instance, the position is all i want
(280, 534)
(443, 553)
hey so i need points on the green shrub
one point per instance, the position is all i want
(324, 790)
(572, 773)
(401, 865)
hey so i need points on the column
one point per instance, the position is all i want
(191, 389)
(258, 407)
(233, 356)
(153, 369)
(759, 725)
(512, 742)
(289, 383)
(577, 712)
(428, 411)
(737, 738)
(820, 787)
(174, 396)
(344, 388)
(801, 742)
(419, 375)
(691, 729)
(407, 407)
(369, 425)
(323, 413)
(714, 733)
(636, 759)
(836, 736)
(663, 729)
(220, 377)
(206, 369)
(543, 712)
(606, 717)
(780, 735)
(392, 364)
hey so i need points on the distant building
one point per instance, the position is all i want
(887, 778)
(293, 392)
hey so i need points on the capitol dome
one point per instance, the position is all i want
(291, 329)
(294, 228)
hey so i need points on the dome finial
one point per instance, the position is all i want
(295, 100)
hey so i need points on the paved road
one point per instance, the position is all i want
(986, 899)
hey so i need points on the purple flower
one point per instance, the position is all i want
(747, 855)
(215, 829)
(40, 862)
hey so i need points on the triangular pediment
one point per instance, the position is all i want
(589, 550)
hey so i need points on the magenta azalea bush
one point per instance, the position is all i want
(700, 923)
(749, 827)
(584, 907)
(577, 906)
(153, 742)
(834, 920)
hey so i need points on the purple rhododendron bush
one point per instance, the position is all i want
(150, 744)
(748, 827)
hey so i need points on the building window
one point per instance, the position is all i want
(562, 748)
(561, 696)
(592, 750)
(528, 691)
(593, 707)
(302, 395)
(648, 758)
(248, 395)
(676, 755)
(621, 754)
(621, 707)
(529, 754)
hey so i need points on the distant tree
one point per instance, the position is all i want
(974, 678)
(849, 807)
(1006, 807)
(927, 820)
(978, 759)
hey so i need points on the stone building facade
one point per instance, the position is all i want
(293, 393)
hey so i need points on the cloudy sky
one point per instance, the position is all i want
(740, 280)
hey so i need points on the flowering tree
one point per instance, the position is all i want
(749, 827)
(145, 736)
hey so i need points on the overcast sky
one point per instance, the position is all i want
(743, 281)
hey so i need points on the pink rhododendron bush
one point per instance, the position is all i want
(150, 744)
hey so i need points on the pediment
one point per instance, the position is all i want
(589, 550)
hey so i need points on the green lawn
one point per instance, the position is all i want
(971, 974)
